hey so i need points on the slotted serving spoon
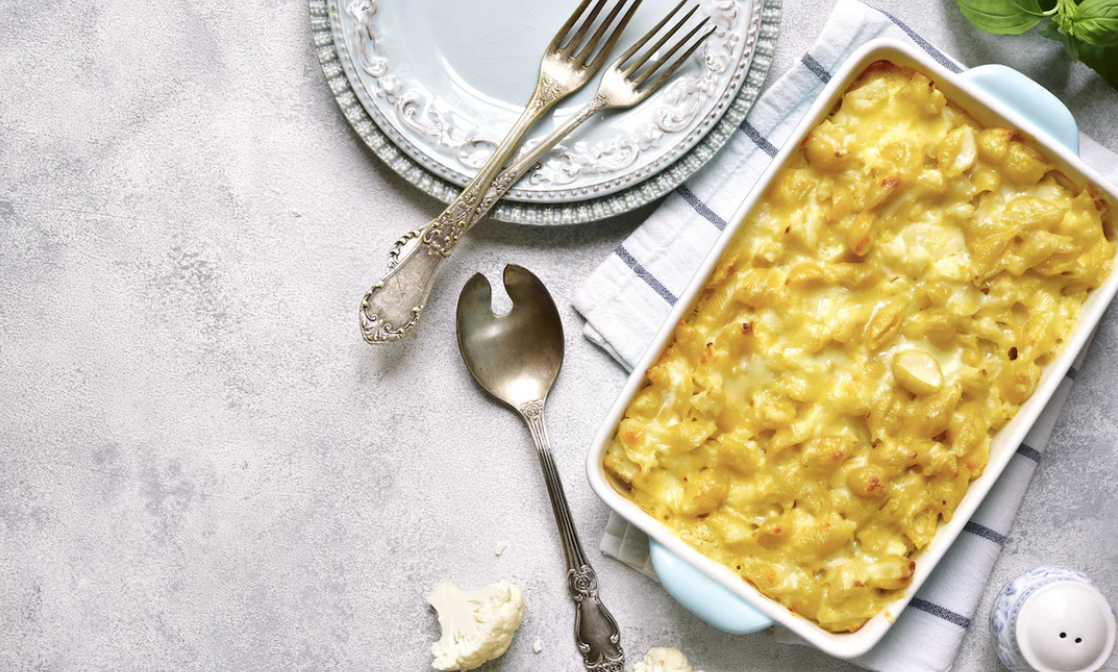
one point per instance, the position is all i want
(516, 358)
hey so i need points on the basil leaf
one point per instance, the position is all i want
(1071, 45)
(1001, 17)
(1094, 22)
(1103, 60)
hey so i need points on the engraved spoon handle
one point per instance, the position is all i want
(392, 306)
(596, 632)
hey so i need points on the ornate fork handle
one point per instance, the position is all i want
(596, 632)
(508, 177)
(392, 306)
(511, 175)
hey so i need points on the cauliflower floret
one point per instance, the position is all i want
(477, 625)
(664, 659)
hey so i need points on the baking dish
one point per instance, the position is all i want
(993, 95)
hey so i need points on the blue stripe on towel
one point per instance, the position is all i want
(979, 530)
(936, 610)
(924, 44)
(1029, 452)
(643, 274)
(758, 139)
(700, 207)
(816, 69)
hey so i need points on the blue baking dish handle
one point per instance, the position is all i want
(1029, 99)
(700, 595)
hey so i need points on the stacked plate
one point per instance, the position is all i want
(433, 85)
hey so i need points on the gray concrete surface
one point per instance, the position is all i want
(202, 466)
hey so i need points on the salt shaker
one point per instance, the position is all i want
(1053, 619)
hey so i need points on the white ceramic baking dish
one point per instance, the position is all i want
(994, 95)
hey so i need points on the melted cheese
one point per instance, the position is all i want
(772, 433)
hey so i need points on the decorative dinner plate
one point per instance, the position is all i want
(433, 85)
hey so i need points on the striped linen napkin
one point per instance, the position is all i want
(628, 297)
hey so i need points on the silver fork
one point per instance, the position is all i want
(623, 85)
(392, 306)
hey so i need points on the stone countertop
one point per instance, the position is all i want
(203, 465)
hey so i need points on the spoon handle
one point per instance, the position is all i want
(596, 632)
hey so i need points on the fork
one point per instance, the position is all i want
(392, 306)
(622, 87)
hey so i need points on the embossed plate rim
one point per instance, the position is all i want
(549, 212)
(641, 142)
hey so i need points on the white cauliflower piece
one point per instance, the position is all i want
(477, 625)
(664, 659)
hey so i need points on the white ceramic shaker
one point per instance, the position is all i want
(1053, 619)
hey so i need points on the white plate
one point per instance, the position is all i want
(445, 79)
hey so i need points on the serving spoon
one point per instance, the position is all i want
(516, 358)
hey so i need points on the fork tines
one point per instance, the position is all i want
(630, 69)
(568, 49)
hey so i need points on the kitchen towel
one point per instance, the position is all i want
(628, 297)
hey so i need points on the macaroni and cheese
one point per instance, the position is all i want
(884, 311)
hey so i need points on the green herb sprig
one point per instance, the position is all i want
(1088, 29)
